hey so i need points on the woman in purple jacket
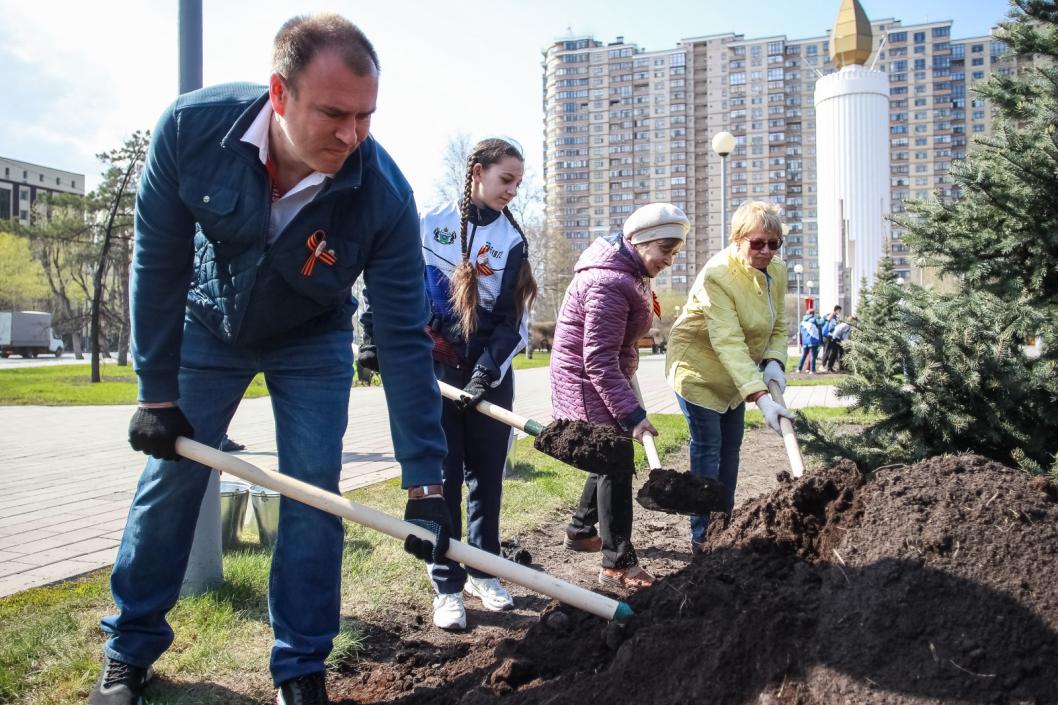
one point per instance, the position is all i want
(608, 307)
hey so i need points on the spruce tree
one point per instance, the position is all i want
(949, 372)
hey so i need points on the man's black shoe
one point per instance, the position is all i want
(305, 690)
(230, 446)
(120, 684)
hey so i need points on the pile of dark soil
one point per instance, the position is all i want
(931, 583)
(674, 492)
(589, 447)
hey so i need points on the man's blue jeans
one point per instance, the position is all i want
(715, 443)
(308, 380)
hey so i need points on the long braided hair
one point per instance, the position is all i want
(464, 290)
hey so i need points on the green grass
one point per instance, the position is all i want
(833, 414)
(540, 359)
(815, 380)
(50, 650)
(70, 385)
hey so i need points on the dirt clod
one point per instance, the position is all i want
(590, 447)
(667, 490)
(512, 550)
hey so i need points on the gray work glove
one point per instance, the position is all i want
(773, 371)
(773, 412)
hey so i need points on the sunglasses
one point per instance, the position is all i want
(758, 245)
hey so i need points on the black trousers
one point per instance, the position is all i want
(477, 453)
(608, 502)
(834, 355)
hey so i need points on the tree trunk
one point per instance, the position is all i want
(101, 267)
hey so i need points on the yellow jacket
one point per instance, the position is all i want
(730, 323)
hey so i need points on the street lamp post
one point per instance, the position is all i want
(723, 145)
(808, 289)
(205, 564)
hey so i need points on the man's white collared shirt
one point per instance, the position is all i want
(290, 203)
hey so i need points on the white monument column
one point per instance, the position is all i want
(852, 165)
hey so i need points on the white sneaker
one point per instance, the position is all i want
(491, 593)
(448, 611)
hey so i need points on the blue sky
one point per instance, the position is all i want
(78, 77)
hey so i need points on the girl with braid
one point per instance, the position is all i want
(480, 287)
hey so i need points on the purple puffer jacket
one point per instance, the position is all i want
(608, 307)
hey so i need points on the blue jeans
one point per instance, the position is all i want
(715, 443)
(308, 380)
(814, 350)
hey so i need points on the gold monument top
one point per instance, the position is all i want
(851, 41)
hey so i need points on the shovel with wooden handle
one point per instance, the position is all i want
(580, 444)
(397, 528)
(789, 438)
(498, 413)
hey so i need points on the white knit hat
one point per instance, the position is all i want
(656, 221)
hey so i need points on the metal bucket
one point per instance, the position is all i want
(266, 512)
(234, 496)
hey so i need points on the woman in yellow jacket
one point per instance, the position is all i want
(728, 342)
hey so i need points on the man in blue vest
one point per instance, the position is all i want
(257, 210)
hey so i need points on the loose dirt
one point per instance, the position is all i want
(590, 447)
(668, 490)
(934, 583)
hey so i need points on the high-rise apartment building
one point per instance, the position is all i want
(21, 183)
(624, 127)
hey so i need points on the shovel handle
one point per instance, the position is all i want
(653, 459)
(651, 450)
(460, 552)
(789, 438)
(533, 428)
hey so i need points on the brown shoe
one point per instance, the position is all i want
(631, 578)
(588, 544)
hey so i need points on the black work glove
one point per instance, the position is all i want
(367, 357)
(476, 388)
(431, 513)
(154, 431)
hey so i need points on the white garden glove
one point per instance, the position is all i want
(772, 412)
(774, 371)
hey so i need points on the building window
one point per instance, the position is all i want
(941, 32)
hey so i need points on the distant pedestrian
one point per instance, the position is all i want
(830, 322)
(837, 345)
(811, 337)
